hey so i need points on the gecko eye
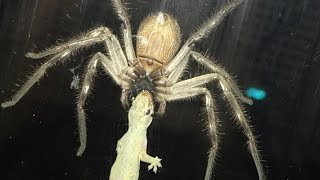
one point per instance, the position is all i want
(148, 112)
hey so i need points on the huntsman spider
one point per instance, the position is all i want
(156, 66)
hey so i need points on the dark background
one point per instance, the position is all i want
(269, 44)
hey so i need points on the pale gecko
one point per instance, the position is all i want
(132, 147)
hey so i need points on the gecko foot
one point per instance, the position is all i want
(155, 164)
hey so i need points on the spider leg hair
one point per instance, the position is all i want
(61, 52)
(213, 22)
(88, 39)
(126, 31)
(178, 71)
(217, 69)
(252, 145)
(182, 93)
(205, 29)
(190, 87)
(95, 36)
(32, 80)
(162, 105)
(85, 90)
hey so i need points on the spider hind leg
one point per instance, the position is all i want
(183, 93)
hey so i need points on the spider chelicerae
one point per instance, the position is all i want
(156, 66)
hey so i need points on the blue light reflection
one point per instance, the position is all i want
(256, 93)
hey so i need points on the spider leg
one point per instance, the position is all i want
(179, 93)
(59, 55)
(125, 99)
(116, 55)
(90, 38)
(204, 30)
(173, 76)
(32, 80)
(178, 71)
(161, 107)
(190, 87)
(85, 90)
(252, 145)
(194, 82)
(127, 35)
(216, 68)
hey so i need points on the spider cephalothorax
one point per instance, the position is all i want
(156, 67)
(158, 39)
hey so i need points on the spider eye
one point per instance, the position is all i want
(148, 112)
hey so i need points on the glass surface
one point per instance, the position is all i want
(269, 45)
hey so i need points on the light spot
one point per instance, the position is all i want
(256, 93)
(223, 87)
(65, 54)
(160, 18)
(95, 63)
(73, 43)
(208, 102)
(239, 115)
(95, 33)
(143, 40)
(149, 62)
(210, 127)
(86, 89)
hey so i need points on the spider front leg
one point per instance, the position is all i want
(102, 34)
(202, 32)
(32, 80)
(61, 52)
(126, 31)
(92, 37)
(85, 90)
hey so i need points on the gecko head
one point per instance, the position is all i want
(142, 109)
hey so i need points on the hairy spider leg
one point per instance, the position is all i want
(126, 31)
(116, 67)
(186, 88)
(212, 120)
(32, 80)
(62, 51)
(85, 90)
(216, 68)
(178, 71)
(247, 130)
(176, 67)
(204, 30)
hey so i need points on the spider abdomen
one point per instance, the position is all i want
(158, 39)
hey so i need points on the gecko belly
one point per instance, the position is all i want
(127, 164)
